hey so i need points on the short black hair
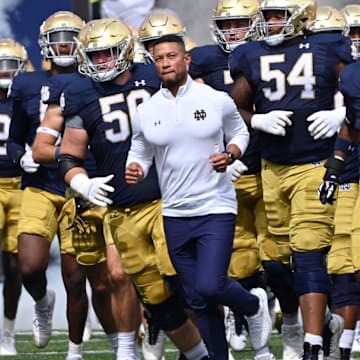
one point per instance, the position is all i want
(170, 38)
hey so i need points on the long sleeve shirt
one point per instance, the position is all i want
(180, 133)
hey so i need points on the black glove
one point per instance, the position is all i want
(334, 168)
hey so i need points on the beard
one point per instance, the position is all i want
(177, 80)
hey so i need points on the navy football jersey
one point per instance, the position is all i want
(299, 77)
(7, 167)
(106, 111)
(210, 63)
(28, 112)
(51, 93)
(350, 88)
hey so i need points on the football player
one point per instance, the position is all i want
(344, 293)
(44, 190)
(158, 23)
(114, 299)
(98, 112)
(282, 84)
(13, 61)
(234, 24)
(351, 13)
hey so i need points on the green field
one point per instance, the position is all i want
(98, 348)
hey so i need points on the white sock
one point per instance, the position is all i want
(9, 325)
(357, 327)
(197, 352)
(74, 349)
(347, 338)
(313, 339)
(126, 345)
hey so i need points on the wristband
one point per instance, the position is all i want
(344, 146)
(47, 130)
(334, 168)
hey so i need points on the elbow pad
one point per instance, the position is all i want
(67, 162)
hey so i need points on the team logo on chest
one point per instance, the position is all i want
(200, 115)
(140, 83)
(304, 46)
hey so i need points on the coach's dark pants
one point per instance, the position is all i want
(200, 249)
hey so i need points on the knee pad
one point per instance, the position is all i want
(280, 278)
(310, 272)
(168, 316)
(345, 290)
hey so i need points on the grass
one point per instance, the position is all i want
(98, 348)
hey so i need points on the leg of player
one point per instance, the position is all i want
(33, 259)
(11, 294)
(125, 302)
(77, 304)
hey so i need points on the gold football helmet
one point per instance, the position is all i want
(106, 34)
(297, 13)
(13, 60)
(190, 43)
(352, 16)
(56, 39)
(158, 23)
(230, 11)
(138, 48)
(328, 18)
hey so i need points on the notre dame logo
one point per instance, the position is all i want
(200, 115)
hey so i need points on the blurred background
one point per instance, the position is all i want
(21, 19)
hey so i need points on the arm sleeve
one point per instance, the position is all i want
(140, 151)
(235, 129)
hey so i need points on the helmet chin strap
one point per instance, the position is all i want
(64, 61)
(275, 40)
(5, 83)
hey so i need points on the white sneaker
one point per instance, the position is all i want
(230, 356)
(87, 329)
(7, 344)
(260, 325)
(265, 357)
(356, 342)
(332, 337)
(292, 339)
(153, 346)
(74, 357)
(237, 342)
(42, 322)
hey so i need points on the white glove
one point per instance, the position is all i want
(274, 122)
(28, 164)
(95, 190)
(354, 52)
(326, 123)
(236, 169)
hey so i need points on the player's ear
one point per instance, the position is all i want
(187, 58)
